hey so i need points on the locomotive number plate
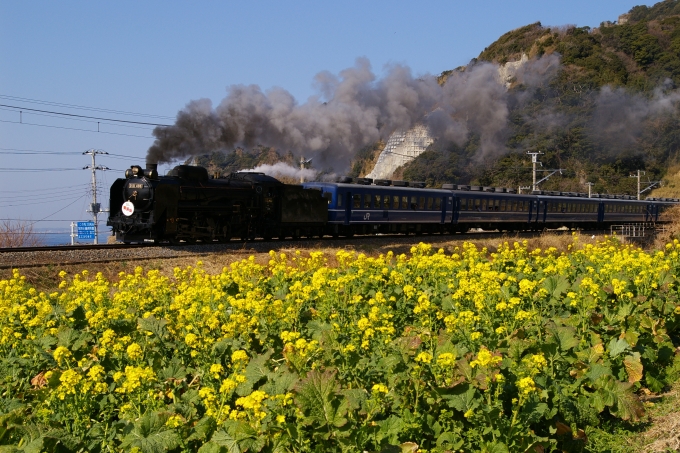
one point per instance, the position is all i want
(128, 208)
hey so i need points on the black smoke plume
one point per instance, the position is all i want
(350, 111)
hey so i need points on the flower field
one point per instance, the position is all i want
(516, 350)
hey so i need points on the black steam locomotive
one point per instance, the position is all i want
(186, 205)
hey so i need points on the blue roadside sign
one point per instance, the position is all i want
(85, 230)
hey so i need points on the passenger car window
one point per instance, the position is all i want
(429, 203)
(438, 204)
(367, 200)
(357, 201)
(421, 202)
(404, 202)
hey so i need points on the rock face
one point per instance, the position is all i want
(401, 148)
(507, 71)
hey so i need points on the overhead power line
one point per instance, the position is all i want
(38, 169)
(29, 220)
(57, 212)
(16, 108)
(45, 169)
(47, 189)
(76, 129)
(23, 114)
(81, 107)
(34, 151)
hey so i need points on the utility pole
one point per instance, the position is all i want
(534, 161)
(590, 187)
(639, 173)
(95, 208)
(303, 162)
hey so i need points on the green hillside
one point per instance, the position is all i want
(632, 68)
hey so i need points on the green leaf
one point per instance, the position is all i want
(598, 370)
(202, 430)
(390, 429)
(564, 336)
(46, 342)
(245, 436)
(628, 405)
(212, 447)
(450, 440)
(153, 325)
(556, 285)
(617, 346)
(463, 398)
(534, 411)
(280, 381)
(173, 371)
(354, 398)
(448, 305)
(255, 371)
(35, 446)
(317, 397)
(318, 330)
(494, 447)
(624, 310)
(151, 435)
(223, 439)
(66, 337)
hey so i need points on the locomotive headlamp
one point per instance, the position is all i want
(137, 171)
(128, 173)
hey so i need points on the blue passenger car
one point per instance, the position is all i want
(363, 209)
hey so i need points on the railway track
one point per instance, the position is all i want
(184, 245)
(59, 248)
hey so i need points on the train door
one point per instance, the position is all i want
(456, 211)
(534, 211)
(651, 213)
(348, 207)
(600, 212)
(542, 211)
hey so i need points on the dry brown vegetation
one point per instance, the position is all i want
(664, 433)
(668, 231)
(46, 277)
(18, 234)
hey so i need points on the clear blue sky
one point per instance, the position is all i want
(152, 57)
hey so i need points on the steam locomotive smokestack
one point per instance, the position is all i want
(150, 166)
